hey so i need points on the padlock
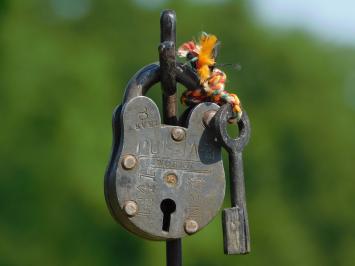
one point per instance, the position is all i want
(163, 182)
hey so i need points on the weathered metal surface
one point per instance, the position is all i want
(139, 84)
(234, 220)
(195, 161)
(233, 224)
(167, 60)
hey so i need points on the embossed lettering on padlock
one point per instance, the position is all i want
(171, 177)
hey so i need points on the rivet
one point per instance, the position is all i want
(191, 226)
(131, 208)
(128, 162)
(178, 134)
(171, 179)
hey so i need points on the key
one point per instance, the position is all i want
(235, 219)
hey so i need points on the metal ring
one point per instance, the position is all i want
(220, 121)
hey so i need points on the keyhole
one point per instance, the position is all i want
(167, 206)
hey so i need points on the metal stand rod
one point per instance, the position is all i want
(167, 59)
(173, 252)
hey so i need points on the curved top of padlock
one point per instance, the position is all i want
(149, 75)
(220, 124)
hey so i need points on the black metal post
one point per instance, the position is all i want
(173, 252)
(167, 59)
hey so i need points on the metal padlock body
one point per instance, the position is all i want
(198, 185)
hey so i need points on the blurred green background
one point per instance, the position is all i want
(63, 67)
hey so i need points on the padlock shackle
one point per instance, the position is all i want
(141, 82)
(149, 75)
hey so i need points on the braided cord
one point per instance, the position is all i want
(202, 57)
(214, 91)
